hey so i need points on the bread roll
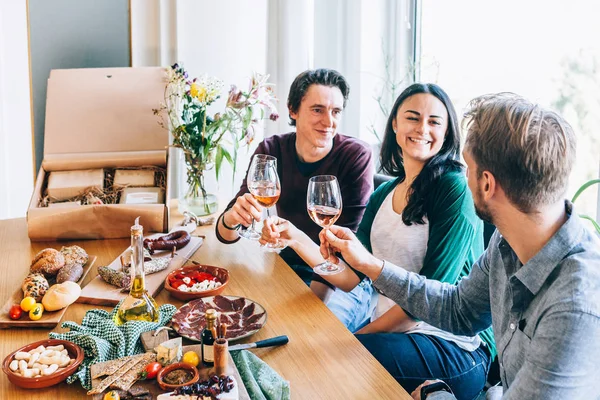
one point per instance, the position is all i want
(70, 272)
(74, 255)
(35, 285)
(48, 262)
(61, 295)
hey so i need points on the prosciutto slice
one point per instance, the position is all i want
(242, 316)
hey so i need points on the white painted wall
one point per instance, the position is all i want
(16, 148)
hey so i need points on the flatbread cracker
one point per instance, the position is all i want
(128, 379)
(109, 367)
(120, 372)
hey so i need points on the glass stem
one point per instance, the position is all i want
(327, 247)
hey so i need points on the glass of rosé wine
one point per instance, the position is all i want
(324, 205)
(263, 185)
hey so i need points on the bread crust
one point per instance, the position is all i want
(48, 262)
(74, 255)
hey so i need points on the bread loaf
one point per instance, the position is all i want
(61, 295)
(48, 262)
(74, 255)
(70, 272)
(35, 285)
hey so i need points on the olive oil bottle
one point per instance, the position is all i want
(138, 305)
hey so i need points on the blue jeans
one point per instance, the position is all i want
(413, 358)
(353, 308)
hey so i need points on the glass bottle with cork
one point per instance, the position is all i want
(138, 305)
(209, 334)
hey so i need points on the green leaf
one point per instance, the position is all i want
(596, 226)
(218, 160)
(583, 187)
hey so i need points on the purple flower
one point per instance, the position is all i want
(274, 116)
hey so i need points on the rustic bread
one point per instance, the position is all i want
(35, 285)
(74, 255)
(48, 262)
(70, 272)
(61, 295)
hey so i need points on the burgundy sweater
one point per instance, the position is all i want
(350, 160)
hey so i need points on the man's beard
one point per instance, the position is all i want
(483, 211)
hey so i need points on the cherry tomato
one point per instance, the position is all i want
(27, 303)
(152, 370)
(112, 395)
(36, 312)
(15, 312)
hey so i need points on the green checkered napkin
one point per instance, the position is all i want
(102, 340)
(260, 380)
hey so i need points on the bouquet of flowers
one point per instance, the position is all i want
(207, 140)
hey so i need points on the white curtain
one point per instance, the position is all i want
(16, 154)
(232, 38)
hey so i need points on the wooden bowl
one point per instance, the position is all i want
(160, 378)
(75, 352)
(220, 273)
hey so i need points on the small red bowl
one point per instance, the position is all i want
(75, 352)
(160, 378)
(220, 273)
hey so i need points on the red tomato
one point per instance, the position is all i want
(203, 276)
(152, 370)
(15, 312)
(176, 283)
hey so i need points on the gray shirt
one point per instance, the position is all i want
(545, 314)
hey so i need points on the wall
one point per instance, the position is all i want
(16, 162)
(73, 34)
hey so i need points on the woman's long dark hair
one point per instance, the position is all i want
(447, 159)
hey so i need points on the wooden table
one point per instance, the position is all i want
(322, 360)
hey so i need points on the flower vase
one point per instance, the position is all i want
(202, 203)
(194, 195)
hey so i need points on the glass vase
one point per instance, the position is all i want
(194, 195)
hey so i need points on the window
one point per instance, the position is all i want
(546, 51)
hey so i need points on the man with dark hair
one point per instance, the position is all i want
(538, 283)
(315, 104)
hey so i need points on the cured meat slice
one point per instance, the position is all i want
(235, 319)
(253, 319)
(238, 304)
(223, 304)
(225, 319)
(248, 310)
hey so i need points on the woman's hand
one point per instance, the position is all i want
(342, 240)
(276, 228)
(243, 211)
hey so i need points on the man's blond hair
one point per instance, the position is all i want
(529, 150)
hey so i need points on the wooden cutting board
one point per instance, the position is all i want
(49, 318)
(101, 293)
(155, 390)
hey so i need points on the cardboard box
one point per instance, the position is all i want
(101, 118)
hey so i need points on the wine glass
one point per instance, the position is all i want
(324, 205)
(263, 184)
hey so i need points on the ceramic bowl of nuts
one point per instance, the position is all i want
(42, 364)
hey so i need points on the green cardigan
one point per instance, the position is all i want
(455, 232)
